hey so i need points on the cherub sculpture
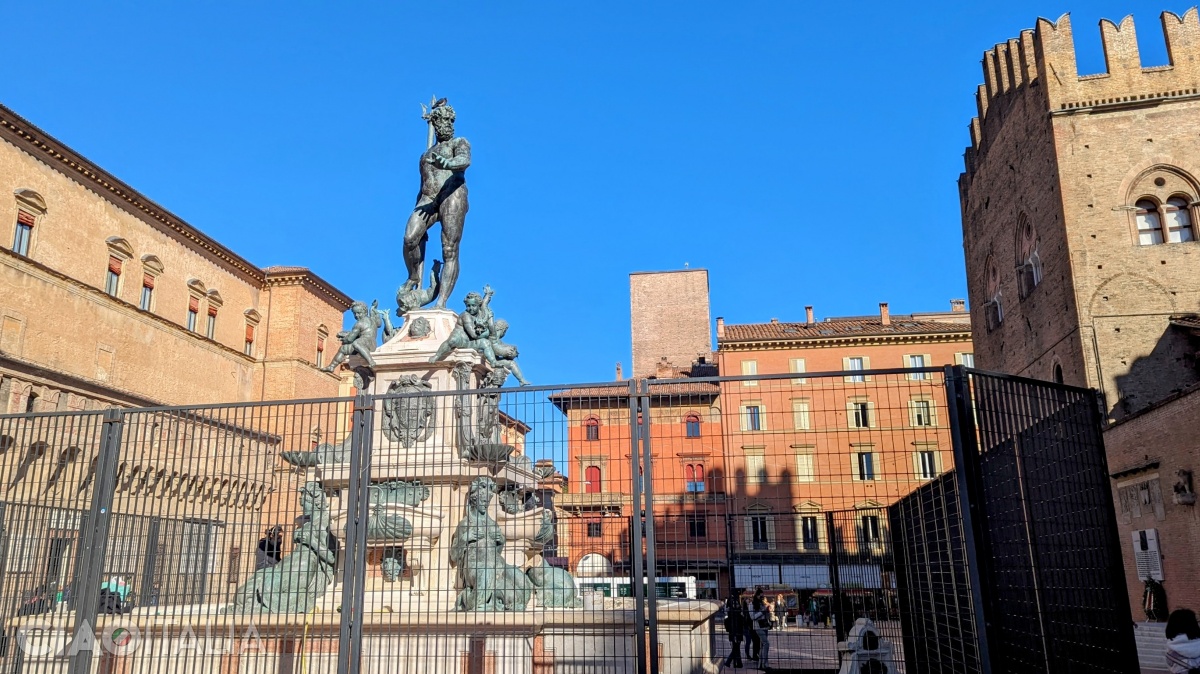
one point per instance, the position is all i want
(478, 330)
(361, 338)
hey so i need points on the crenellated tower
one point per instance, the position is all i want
(1079, 204)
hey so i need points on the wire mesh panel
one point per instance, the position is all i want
(780, 484)
(934, 587)
(498, 528)
(49, 463)
(1049, 543)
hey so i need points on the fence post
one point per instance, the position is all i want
(89, 562)
(835, 583)
(357, 509)
(635, 531)
(970, 489)
(648, 495)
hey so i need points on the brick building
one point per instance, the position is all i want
(108, 299)
(1079, 203)
(799, 448)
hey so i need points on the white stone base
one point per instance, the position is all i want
(544, 641)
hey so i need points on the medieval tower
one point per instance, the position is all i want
(1079, 206)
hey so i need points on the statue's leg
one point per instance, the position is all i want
(416, 234)
(366, 356)
(516, 372)
(454, 213)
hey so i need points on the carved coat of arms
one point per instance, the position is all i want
(409, 419)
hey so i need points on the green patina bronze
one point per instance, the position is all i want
(488, 582)
(555, 587)
(296, 583)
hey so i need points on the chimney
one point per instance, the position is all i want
(720, 328)
(620, 374)
(774, 321)
(808, 315)
(884, 316)
(958, 306)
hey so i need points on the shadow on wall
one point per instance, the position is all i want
(1169, 368)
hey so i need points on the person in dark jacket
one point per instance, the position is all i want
(735, 626)
(270, 548)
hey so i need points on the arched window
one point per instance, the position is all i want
(692, 423)
(1029, 263)
(1149, 225)
(1178, 220)
(1058, 374)
(592, 426)
(994, 307)
(591, 476)
(694, 476)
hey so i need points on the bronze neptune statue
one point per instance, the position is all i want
(443, 198)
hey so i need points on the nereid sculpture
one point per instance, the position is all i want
(489, 583)
(296, 583)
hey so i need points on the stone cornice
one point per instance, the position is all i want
(306, 277)
(55, 154)
(833, 342)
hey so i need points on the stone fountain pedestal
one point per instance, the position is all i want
(431, 455)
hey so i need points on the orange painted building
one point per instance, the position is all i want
(800, 447)
(688, 468)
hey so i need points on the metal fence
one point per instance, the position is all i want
(350, 535)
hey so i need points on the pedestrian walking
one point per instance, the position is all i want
(735, 627)
(752, 640)
(761, 617)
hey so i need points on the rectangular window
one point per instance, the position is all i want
(752, 418)
(914, 362)
(147, 299)
(810, 536)
(805, 467)
(966, 359)
(249, 350)
(756, 468)
(922, 412)
(320, 352)
(210, 330)
(927, 464)
(797, 365)
(693, 427)
(853, 364)
(800, 415)
(861, 415)
(866, 466)
(112, 282)
(193, 313)
(758, 533)
(697, 527)
(750, 367)
(24, 234)
(594, 530)
(872, 536)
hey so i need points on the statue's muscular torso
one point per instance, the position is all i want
(438, 183)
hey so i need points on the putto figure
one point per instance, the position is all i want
(360, 339)
(443, 198)
(479, 330)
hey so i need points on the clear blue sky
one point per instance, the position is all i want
(804, 153)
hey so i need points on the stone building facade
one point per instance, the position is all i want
(108, 299)
(1079, 203)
